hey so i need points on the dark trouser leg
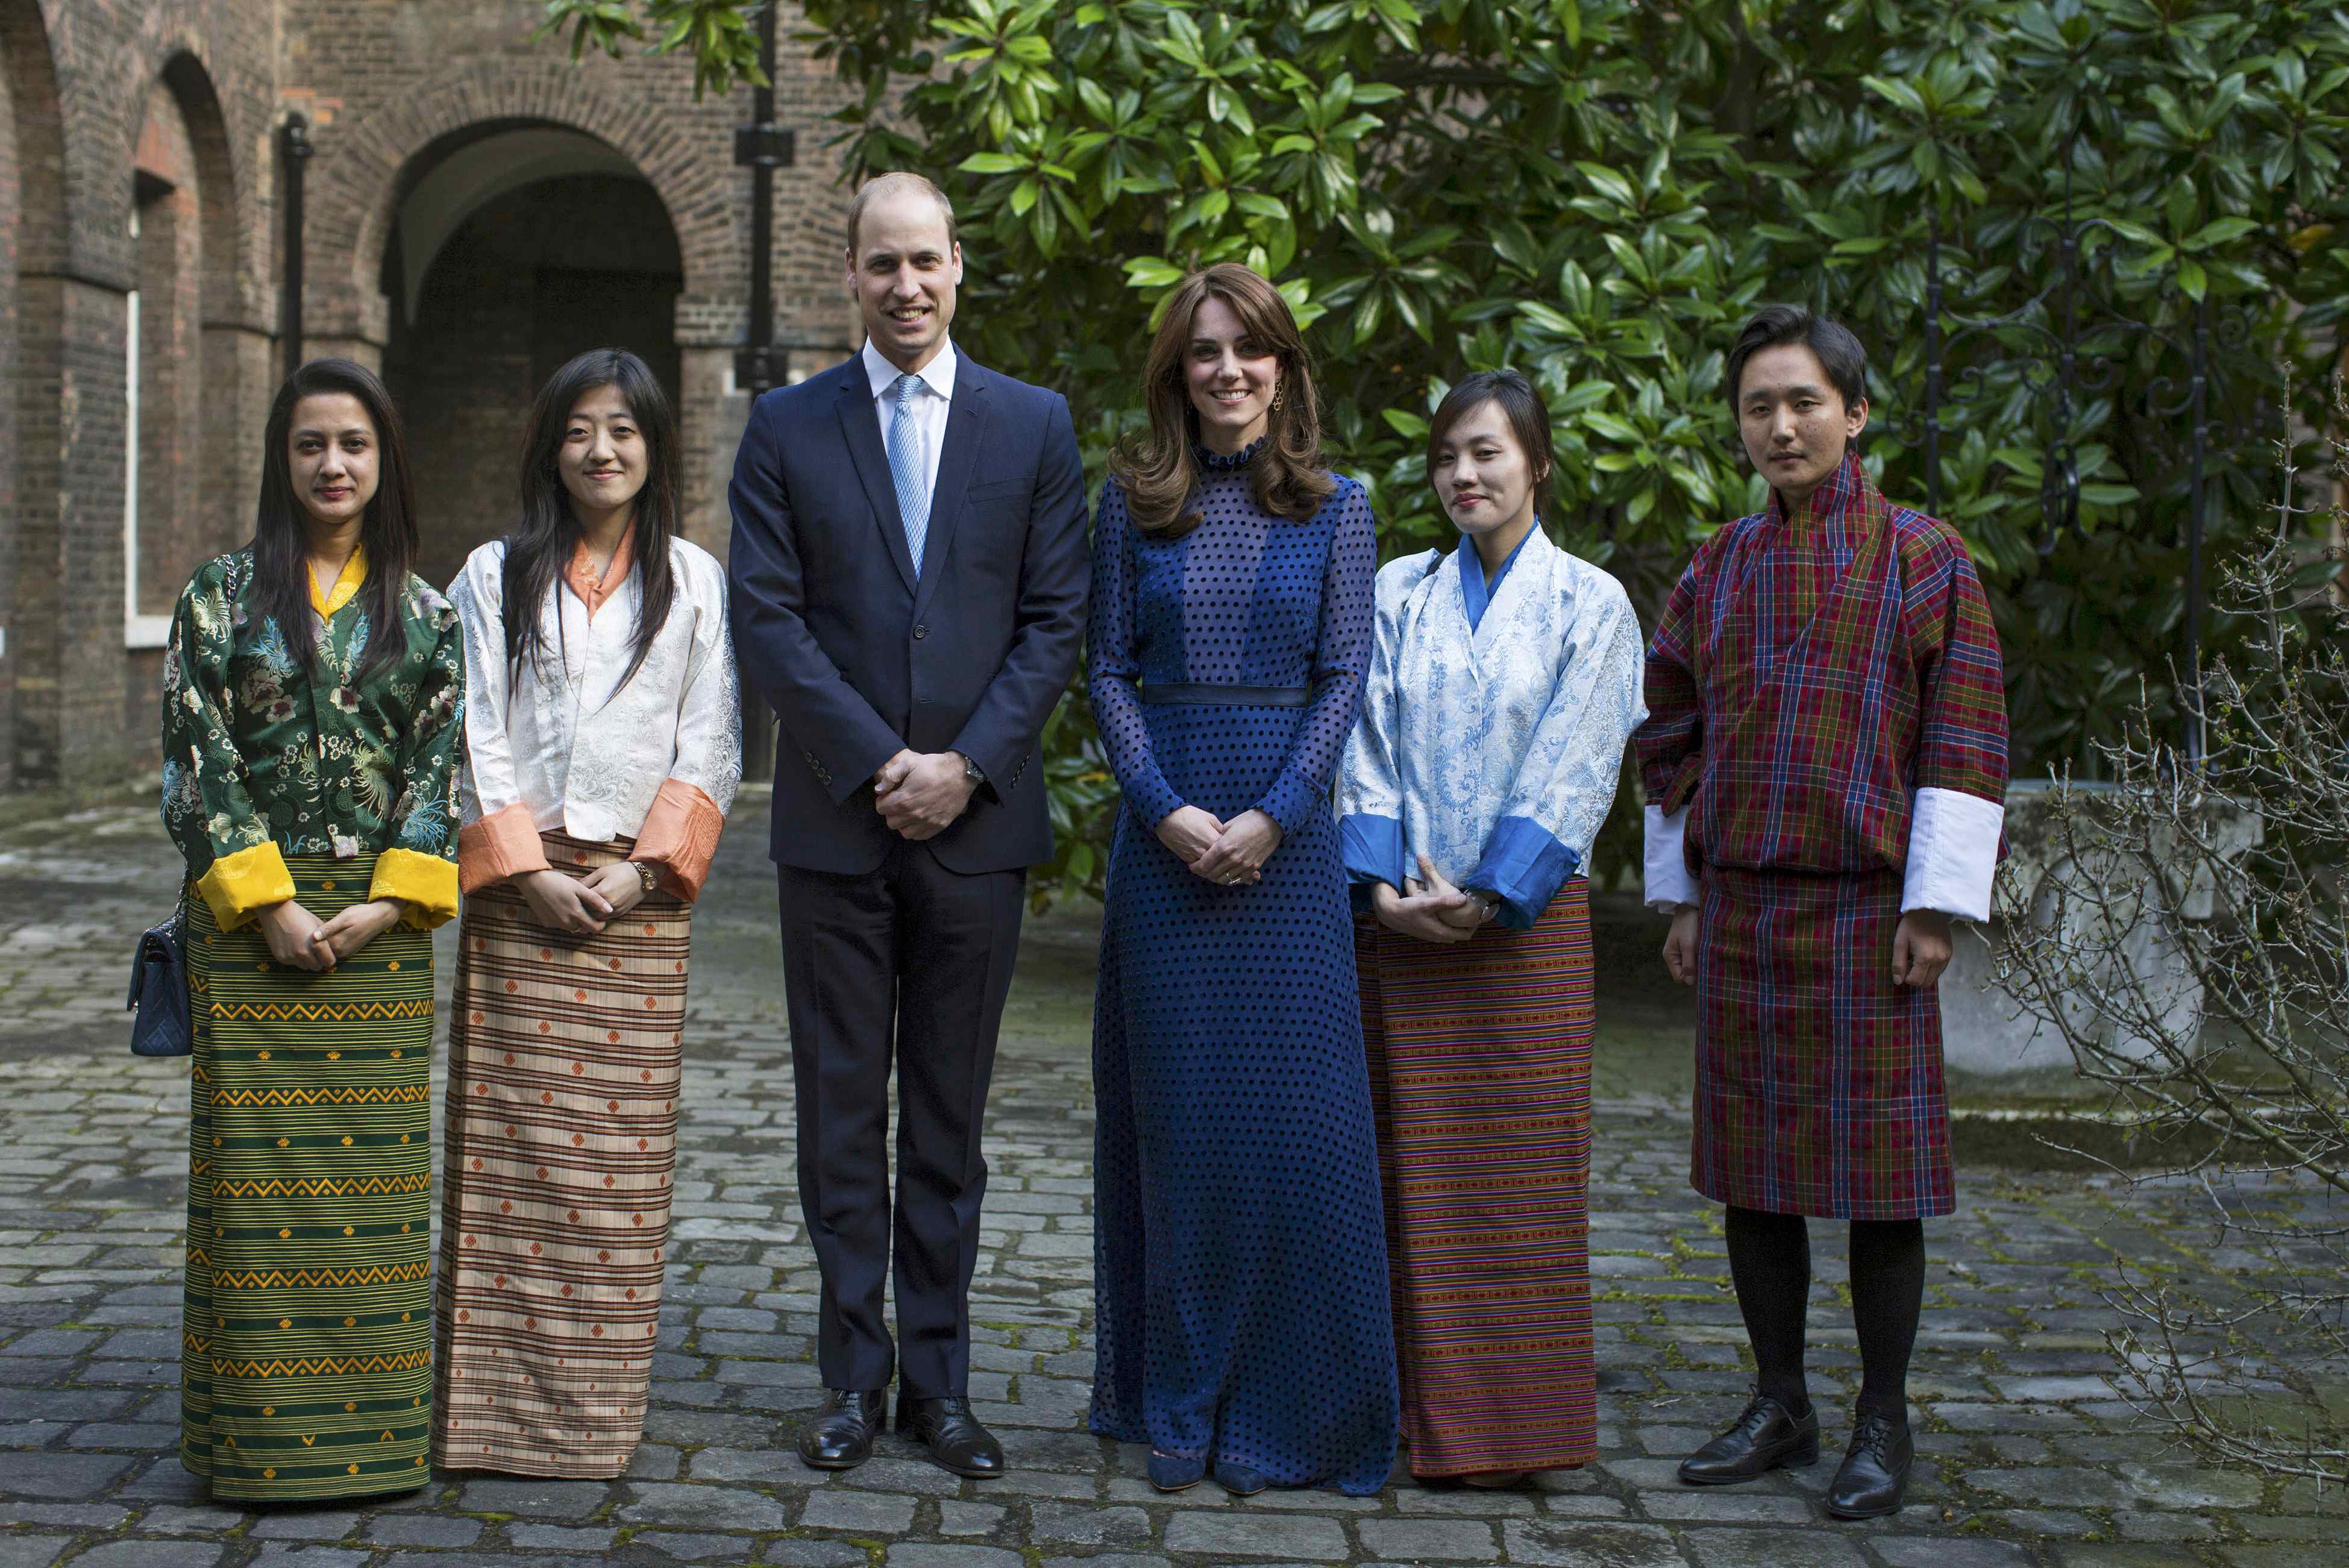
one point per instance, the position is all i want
(1888, 1291)
(1769, 1263)
(840, 978)
(957, 938)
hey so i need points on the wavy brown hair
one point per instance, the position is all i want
(1159, 473)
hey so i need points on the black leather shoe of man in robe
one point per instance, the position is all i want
(1766, 1436)
(1874, 1469)
(840, 1435)
(952, 1434)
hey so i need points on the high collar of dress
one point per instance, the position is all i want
(1836, 495)
(1211, 462)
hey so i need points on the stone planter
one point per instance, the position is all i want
(1987, 1030)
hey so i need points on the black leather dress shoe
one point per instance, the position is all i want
(1875, 1469)
(952, 1434)
(840, 1435)
(1766, 1436)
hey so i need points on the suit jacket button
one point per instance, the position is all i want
(920, 632)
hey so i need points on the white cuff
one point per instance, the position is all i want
(1953, 853)
(1668, 883)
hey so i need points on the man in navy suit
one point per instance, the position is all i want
(909, 578)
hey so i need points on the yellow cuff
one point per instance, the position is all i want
(426, 883)
(241, 885)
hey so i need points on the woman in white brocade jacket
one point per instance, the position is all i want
(602, 749)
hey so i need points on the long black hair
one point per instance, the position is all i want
(281, 544)
(543, 541)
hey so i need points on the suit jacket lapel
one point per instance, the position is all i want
(861, 427)
(966, 436)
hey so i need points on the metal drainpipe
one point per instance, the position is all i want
(294, 151)
(762, 146)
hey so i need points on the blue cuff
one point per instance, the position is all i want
(1524, 865)
(1291, 800)
(1372, 848)
(1150, 798)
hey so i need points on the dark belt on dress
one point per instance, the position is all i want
(1210, 693)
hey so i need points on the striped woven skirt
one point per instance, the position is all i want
(305, 1352)
(1818, 1081)
(1480, 1074)
(564, 1068)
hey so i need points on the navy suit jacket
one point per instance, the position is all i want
(860, 656)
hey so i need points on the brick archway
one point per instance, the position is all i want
(32, 252)
(355, 200)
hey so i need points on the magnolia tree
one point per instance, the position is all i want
(2229, 1062)
(1596, 192)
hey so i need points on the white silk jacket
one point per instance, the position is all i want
(559, 745)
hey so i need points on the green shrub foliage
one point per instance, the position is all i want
(1597, 191)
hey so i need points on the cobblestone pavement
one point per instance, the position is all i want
(2026, 1455)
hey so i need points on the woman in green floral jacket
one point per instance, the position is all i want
(312, 699)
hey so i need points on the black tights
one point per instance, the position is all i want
(1770, 1261)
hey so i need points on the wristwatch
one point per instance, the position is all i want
(972, 773)
(1487, 905)
(648, 874)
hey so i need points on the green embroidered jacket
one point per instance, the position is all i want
(261, 761)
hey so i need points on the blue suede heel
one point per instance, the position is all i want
(1239, 1479)
(1173, 1472)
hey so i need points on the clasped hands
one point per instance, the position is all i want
(1920, 948)
(1429, 907)
(579, 906)
(1229, 854)
(921, 794)
(300, 940)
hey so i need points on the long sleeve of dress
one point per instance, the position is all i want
(1114, 664)
(680, 832)
(420, 867)
(1566, 784)
(1958, 812)
(1338, 663)
(497, 838)
(1370, 780)
(208, 806)
(1670, 745)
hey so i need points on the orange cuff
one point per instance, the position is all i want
(501, 845)
(680, 837)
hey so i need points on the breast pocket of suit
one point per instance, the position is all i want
(993, 534)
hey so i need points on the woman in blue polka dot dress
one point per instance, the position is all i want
(1241, 1276)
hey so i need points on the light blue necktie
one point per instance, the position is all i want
(906, 467)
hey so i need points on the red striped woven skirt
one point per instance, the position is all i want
(1818, 1081)
(564, 1068)
(1480, 1075)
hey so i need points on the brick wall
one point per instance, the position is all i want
(388, 85)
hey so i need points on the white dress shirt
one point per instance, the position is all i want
(563, 737)
(931, 404)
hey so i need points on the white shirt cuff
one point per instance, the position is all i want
(1953, 853)
(1669, 882)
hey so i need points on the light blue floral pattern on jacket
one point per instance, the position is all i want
(1494, 750)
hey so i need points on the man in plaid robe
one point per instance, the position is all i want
(1824, 762)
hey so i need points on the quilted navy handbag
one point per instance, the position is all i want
(158, 989)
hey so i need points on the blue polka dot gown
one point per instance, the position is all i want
(1241, 1266)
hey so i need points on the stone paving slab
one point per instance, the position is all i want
(2027, 1454)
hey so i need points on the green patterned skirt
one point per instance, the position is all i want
(306, 1352)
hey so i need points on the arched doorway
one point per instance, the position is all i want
(189, 462)
(514, 246)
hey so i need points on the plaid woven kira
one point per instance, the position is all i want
(1808, 677)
